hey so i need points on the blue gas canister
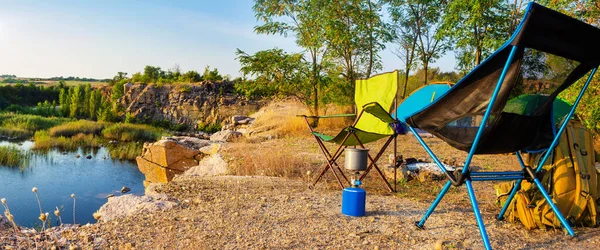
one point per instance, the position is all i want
(353, 201)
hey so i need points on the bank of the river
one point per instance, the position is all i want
(233, 212)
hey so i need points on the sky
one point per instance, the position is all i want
(97, 39)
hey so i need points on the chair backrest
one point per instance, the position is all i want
(382, 89)
(550, 52)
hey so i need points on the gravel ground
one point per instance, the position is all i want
(233, 212)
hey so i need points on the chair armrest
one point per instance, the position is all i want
(326, 116)
(376, 110)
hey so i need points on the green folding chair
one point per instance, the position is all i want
(374, 98)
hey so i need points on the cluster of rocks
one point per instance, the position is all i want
(200, 103)
(422, 170)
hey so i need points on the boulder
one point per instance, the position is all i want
(121, 206)
(241, 120)
(162, 160)
(209, 166)
(225, 135)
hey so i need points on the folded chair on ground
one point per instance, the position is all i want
(547, 54)
(373, 97)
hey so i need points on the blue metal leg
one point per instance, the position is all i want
(434, 204)
(484, 236)
(510, 197)
(557, 212)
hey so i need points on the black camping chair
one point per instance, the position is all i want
(544, 39)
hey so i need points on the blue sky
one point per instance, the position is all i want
(99, 38)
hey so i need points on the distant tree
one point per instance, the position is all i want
(117, 91)
(190, 76)
(211, 75)
(275, 73)
(87, 94)
(76, 100)
(64, 102)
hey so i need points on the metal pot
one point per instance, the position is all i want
(356, 159)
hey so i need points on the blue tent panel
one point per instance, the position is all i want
(419, 99)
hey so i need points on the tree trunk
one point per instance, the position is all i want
(370, 41)
(426, 67)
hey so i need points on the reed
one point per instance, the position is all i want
(77, 127)
(44, 141)
(13, 157)
(131, 132)
(125, 150)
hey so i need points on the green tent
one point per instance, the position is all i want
(527, 103)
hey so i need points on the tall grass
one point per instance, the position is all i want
(44, 141)
(13, 157)
(14, 133)
(131, 132)
(77, 127)
(125, 151)
(30, 122)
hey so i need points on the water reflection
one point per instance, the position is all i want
(57, 174)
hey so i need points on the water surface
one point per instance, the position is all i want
(57, 175)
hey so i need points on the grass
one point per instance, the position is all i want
(13, 157)
(125, 151)
(127, 132)
(77, 127)
(14, 133)
(31, 123)
(44, 141)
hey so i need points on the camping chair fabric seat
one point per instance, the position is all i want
(373, 97)
(478, 115)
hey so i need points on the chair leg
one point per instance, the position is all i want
(437, 200)
(484, 236)
(514, 190)
(557, 212)
(373, 164)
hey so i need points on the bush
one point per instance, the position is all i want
(125, 151)
(78, 127)
(209, 128)
(131, 132)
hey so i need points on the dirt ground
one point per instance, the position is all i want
(256, 212)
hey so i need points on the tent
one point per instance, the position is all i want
(419, 99)
(526, 104)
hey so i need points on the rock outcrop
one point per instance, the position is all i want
(161, 161)
(201, 103)
(121, 206)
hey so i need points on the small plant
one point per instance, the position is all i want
(57, 213)
(8, 215)
(43, 216)
(73, 196)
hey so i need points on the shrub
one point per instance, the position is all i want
(131, 132)
(77, 127)
(43, 141)
(125, 151)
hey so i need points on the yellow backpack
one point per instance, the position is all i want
(571, 178)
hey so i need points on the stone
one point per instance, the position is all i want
(209, 166)
(162, 160)
(241, 120)
(125, 189)
(88, 157)
(225, 136)
(121, 206)
(211, 149)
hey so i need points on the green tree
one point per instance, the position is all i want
(275, 73)
(303, 19)
(64, 101)
(76, 100)
(211, 75)
(191, 77)
(405, 36)
(355, 34)
(477, 27)
(87, 94)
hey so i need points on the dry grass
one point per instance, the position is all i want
(77, 127)
(281, 120)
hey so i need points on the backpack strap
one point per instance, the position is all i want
(582, 185)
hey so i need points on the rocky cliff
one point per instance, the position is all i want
(200, 103)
